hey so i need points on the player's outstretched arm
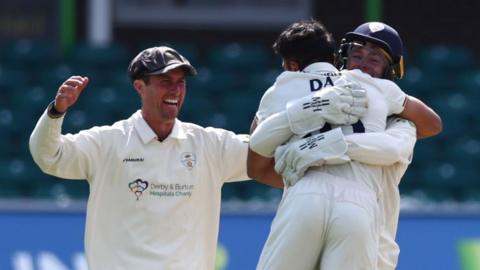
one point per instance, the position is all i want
(428, 122)
(65, 156)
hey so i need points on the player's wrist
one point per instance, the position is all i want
(53, 112)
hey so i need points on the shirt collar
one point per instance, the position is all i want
(147, 134)
(319, 66)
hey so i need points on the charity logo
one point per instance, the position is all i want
(138, 187)
(188, 160)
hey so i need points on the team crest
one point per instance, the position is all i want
(188, 160)
(376, 26)
(138, 187)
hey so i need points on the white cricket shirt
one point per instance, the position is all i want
(384, 98)
(291, 85)
(393, 149)
(152, 205)
(406, 136)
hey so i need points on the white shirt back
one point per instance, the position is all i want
(385, 98)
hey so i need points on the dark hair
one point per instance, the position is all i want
(145, 79)
(306, 42)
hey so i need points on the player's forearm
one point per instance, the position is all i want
(428, 122)
(269, 134)
(44, 141)
(262, 169)
(383, 148)
(64, 156)
(372, 149)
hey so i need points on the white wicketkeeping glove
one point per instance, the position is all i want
(294, 158)
(342, 104)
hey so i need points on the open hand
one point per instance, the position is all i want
(69, 92)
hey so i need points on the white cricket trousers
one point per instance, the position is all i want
(323, 222)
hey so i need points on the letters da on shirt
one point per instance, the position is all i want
(317, 84)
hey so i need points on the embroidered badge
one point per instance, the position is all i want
(188, 160)
(376, 26)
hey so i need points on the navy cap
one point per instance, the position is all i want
(158, 60)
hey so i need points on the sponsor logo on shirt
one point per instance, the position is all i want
(171, 190)
(138, 187)
(133, 160)
(188, 160)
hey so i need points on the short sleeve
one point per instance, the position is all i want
(234, 153)
(230, 155)
(266, 103)
(394, 96)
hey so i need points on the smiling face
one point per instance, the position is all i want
(162, 96)
(369, 58)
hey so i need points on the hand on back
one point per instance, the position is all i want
(342, 104)
(347, 102)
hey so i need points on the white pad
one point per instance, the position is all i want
(342, 104)
(293, 159)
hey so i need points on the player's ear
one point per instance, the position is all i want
(291, 65)
(139, 85)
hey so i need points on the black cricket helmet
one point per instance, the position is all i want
(381, 35)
